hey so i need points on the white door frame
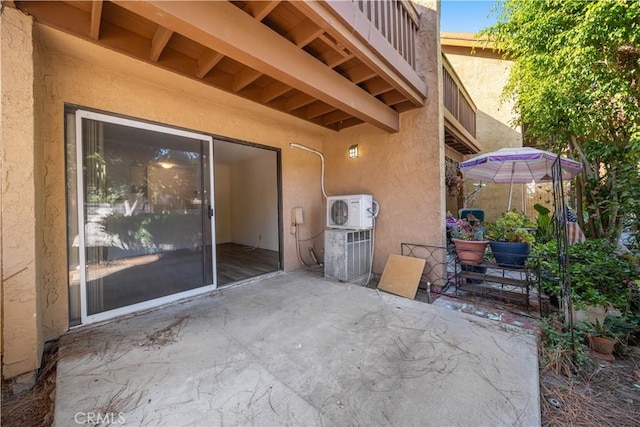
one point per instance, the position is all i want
(85, 319)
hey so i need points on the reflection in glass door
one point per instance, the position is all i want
(145, 196)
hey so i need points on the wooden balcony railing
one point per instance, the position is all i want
(397, 21)
(456, 99)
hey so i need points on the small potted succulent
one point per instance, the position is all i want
(511, 237)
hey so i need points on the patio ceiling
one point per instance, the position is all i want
(307, 59)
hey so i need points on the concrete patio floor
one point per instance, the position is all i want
(298, 349)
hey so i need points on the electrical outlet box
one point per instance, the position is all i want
(297, 216)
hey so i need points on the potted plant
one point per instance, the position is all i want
(601, 338)
(467, 234)
(511, 237)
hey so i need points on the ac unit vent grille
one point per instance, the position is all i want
(354, 212)
(347, 255)
(339, 212)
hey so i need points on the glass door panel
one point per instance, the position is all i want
(146, 199)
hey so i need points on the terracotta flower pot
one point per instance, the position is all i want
(602, 345)
(470, 251)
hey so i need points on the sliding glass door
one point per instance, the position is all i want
(145, 202)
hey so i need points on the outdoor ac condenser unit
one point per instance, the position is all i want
(353, 212)
(347, 254)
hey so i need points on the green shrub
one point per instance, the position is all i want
(545, 230)
(598, 275)
(556, 353)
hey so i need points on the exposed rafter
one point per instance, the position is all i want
(260, 9)
(318, 109)
(96, 16)
(207, 61)
(244, 78)
(304, 33)
(159, 41)
(298, 101)
(222, 27)
(360, 74)
(321, 61)
(274, 90)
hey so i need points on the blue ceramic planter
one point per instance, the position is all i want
(510, 254)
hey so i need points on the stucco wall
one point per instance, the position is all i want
(107, 81)
(403, 171)
(484, 75)
(254, 213)
(20, 229)
(223, 202)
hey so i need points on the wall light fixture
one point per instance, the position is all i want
(353, 152)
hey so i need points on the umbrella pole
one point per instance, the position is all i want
(513, 169)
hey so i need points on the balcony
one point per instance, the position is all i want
(459, 113)
(336, 64)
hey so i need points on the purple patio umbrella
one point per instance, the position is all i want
(520, 165)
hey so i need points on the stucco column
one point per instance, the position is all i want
(19, 236)
(404, 171)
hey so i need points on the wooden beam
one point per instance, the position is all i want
(224, 28)
(377, 87)
(59, 15)
(317, 110)
(392, 98)
(453, 154)
(347, 123)
(207, 61)
(298, 101)
(273, 91)
(244, 78)
(360, 74)
(335, 46)
(467, 40)
(304, 33)
(96, 17)
(335, 117)
(260, 9)
(333, 58)
(403, 106)
(160, 40)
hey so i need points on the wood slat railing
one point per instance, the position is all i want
(456, 99)
(397, 21)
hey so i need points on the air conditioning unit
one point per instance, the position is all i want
(352, 212)
(347, 254)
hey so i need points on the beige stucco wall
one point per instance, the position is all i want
(484, 75)
(403, 171)
(20, 199)
(114, 83)
(254, 212)
(223, 203)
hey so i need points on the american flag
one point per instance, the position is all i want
(574, 233)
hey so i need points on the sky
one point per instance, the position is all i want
(459, 16)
